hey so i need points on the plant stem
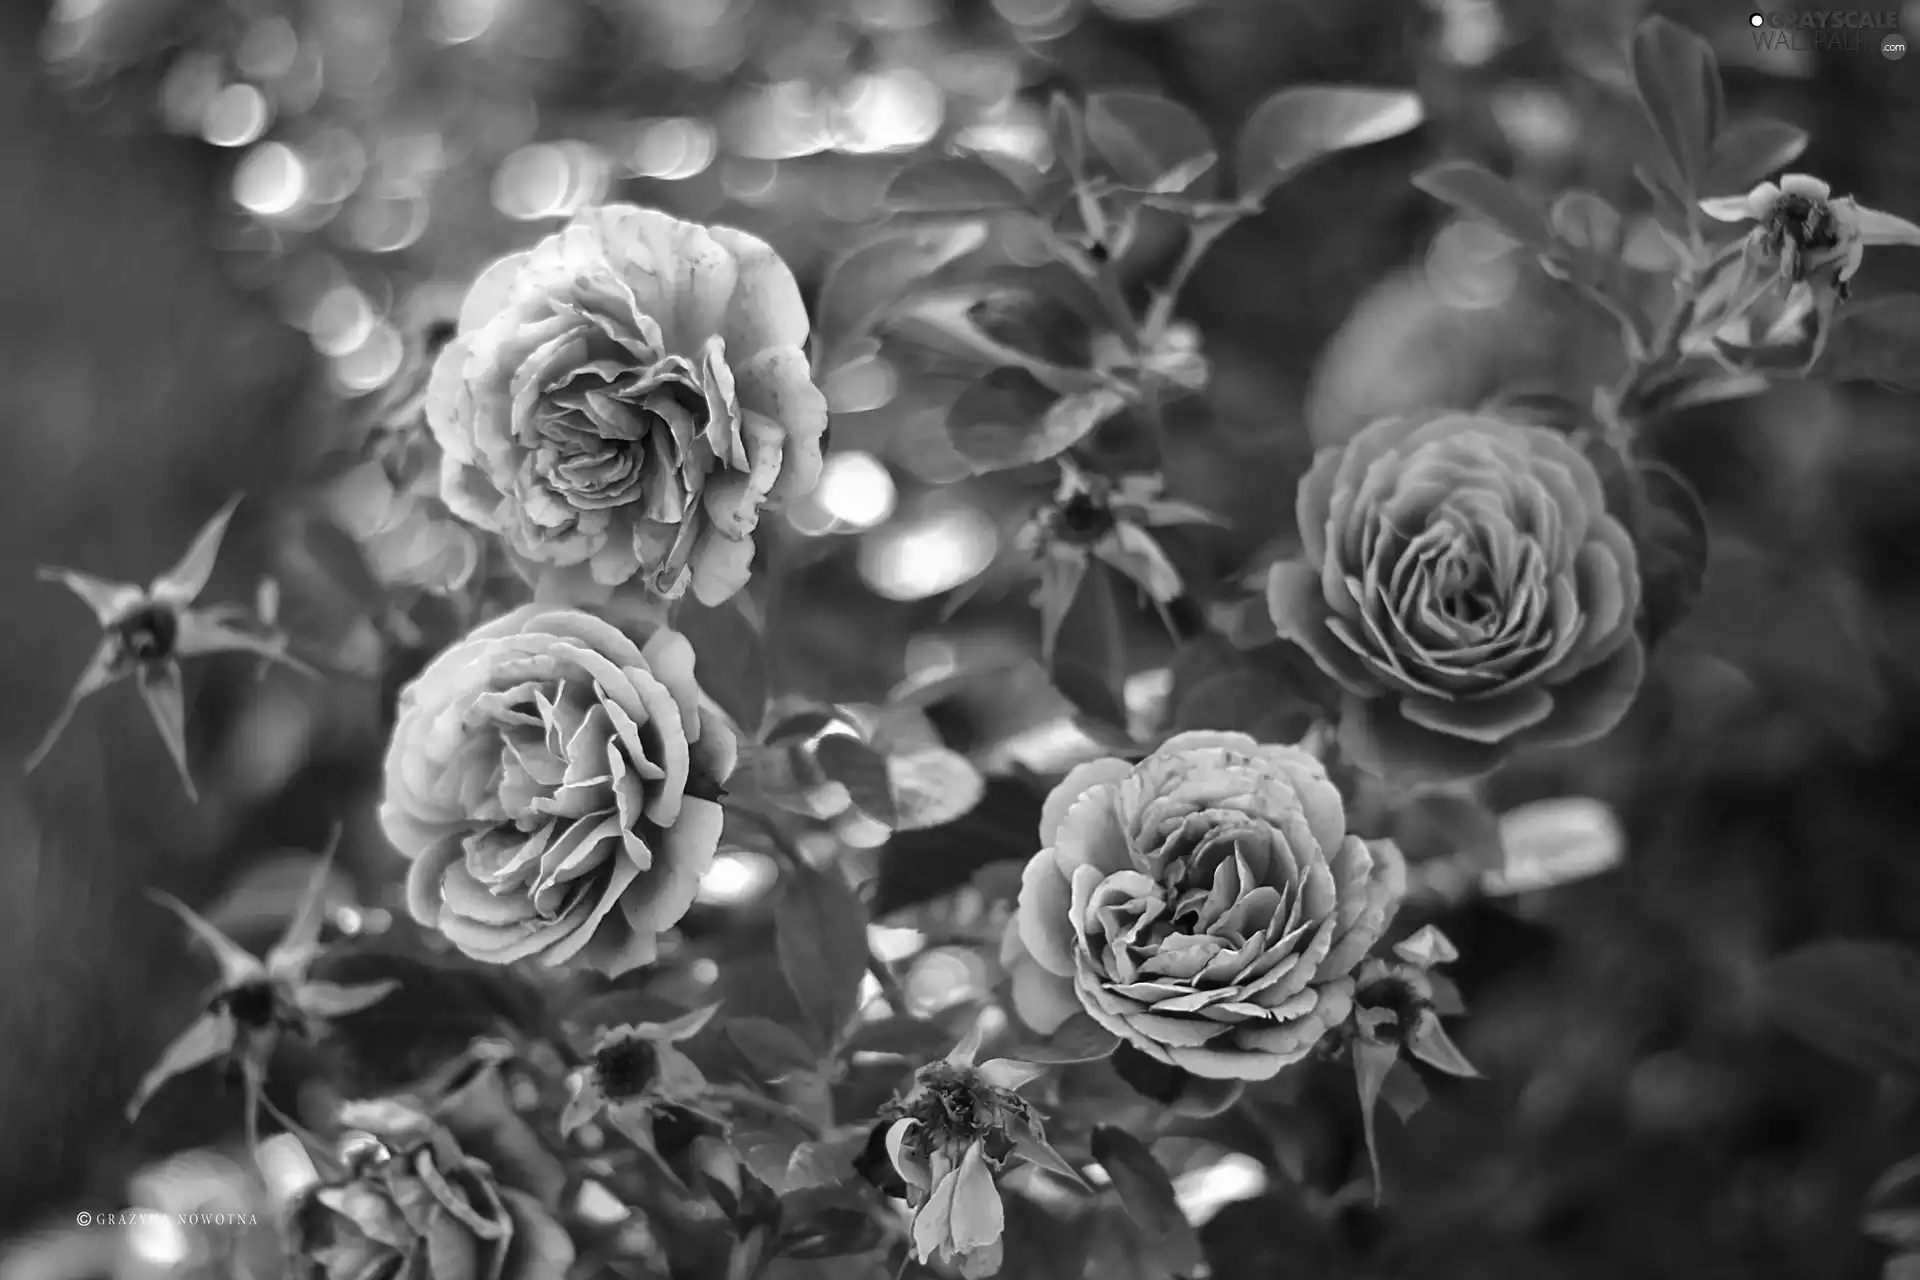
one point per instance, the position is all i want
(890, 989)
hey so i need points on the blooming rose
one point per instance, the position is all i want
(414, 1205)
(1206, 904)
(1465, 586)
(622, 399)
(555, 785)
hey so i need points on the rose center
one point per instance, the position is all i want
(627, 1069)
(1081, 521)
(1808, 223)
(251, 1004)
(149, 632)
(603, 436)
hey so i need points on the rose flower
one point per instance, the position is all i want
(1206, 905)
(555, 785)
(621, 401)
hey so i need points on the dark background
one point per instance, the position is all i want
(1641, 1117)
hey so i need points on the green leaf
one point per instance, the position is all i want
(730, 658)
(1078, 1039)
(1875, 340)
(1452, 825)
(820, 936)
(862, 771)
(1296, 126)
(1089, 660)
(832, 1232)
(1672, 540)
(1011, 419)
(1748, 152)
(902, 1037)
(1856, 999)
(952, 184)
(1485, 194)
(870, 279)
(1153, 143)
(1679, 83)
(771, 1049)
(918, 866)
(1180, 1092)
(1147, 1193)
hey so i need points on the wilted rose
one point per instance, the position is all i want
(1463, 583)
(622, 400)
(414, 1205)
(555, 785)
(1207, 904)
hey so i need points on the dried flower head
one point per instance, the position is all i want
(947, 1137)
(1802, 230)
(258, 998)
(635, 1071)
(147, 630)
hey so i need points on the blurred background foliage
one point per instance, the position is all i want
(223, 223)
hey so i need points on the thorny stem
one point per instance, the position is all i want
(890, 989)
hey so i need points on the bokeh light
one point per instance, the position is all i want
(235, 116)
(550, 180)
(937, 551)
(890, 110)
(155, 1238)
(1203, 1192)
(341, 321)
(737, 877)
(272, 181)
(861, 386)
(856, 489)
(673, 149)
(373, 361)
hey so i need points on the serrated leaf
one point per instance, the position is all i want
(1148, 1195)
(862, 771)
(952, 184)
(776, 1052)
(1673, 545)
(820, 935)
(1749, 151)
(1678, 79)
(872, 278)
(1078, 1039)
(1875, 340)
(831, 1233)
(902, 1037)
(1148, 138)
(1856, 999)
(1089, 660)
(1011, 419)
(1485, 194)
(1296, 126)
(730, 658)
(917, 866)
(932, 786)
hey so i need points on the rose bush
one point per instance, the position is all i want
(555, 786)
(1206, 905)
(621, 401)
(1463, 583)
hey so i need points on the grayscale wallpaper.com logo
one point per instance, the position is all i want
(1829, 31)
